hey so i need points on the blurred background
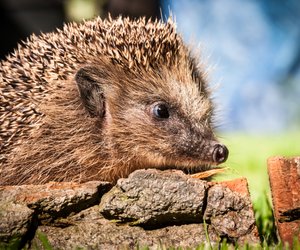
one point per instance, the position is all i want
(252, 47)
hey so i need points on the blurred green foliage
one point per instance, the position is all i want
(77, 10)
(248, 156)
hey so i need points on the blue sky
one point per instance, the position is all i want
(250, 46)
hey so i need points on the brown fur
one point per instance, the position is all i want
(79, 139)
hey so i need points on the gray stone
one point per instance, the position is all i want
(94, 232)
(152, 208)
(54, 199)
(15, 222)
(155, 198)
(23, 207)
(229, 213)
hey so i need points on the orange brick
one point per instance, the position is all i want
(284, 175)
(237, 185)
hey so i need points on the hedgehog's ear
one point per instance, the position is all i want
(90, 90)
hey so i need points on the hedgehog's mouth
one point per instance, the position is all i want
(187, 165)
(198, 169)
(190, 170)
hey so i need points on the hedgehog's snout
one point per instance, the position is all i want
(220, 153)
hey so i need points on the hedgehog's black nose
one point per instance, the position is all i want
(220, 153)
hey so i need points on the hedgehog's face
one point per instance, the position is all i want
(162, 120)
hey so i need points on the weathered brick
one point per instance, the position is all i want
(237, 185)
(284, 175)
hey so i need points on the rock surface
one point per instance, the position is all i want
(150, 208)
(92, 231)
(16, 220)
(22, 208)
(155, 198)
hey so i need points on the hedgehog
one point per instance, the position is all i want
(99, 99)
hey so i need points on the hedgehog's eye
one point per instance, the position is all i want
(161, 110)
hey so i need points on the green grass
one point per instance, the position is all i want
(248, 158)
